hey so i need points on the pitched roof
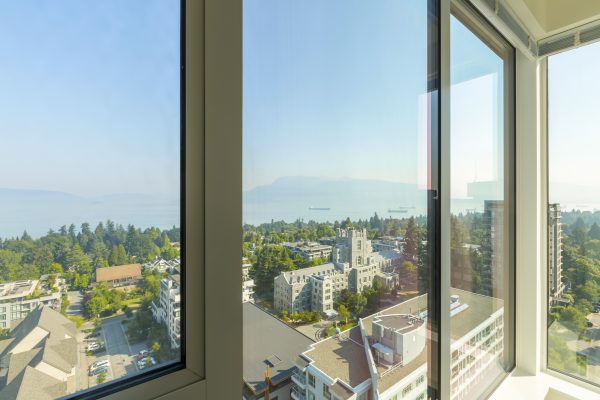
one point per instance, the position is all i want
(119, 272)
(32, 384)
(57, 348)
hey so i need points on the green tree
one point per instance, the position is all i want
(409, 249)
(343, 312)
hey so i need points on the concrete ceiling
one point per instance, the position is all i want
(545, 18)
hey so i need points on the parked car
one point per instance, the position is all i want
(589, 323)
(143, 363)
(100, 363)
(98, 371)
(93, 346)
(142, 354)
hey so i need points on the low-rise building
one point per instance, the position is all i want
(19, 298)
(120, 275)
(385, 356)
(40, 359)
(310, 250)
(269, 343)
(168, 309)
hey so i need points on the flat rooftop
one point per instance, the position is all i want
(399, 322)
(268, 342)
(343, 357)
(17, 288)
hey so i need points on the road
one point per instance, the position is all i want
(75, 303)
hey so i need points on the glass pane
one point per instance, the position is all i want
(335, 184)
(573, 216)
(90, 193)
(480, 215)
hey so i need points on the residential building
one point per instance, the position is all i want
(354, 267)
(555, 284)
(310, 250)
(168, 309)
(269, 344)
(247, 282)
(492, 249)
(121, 275)
(19, 298)
(161, 265)
(387, 243)
(40, 359)
(385, 356)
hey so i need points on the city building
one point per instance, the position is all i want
(387, 243)
(121, 275)
(309, 250)
(40, 359)
(385, 356)
(161, 265)
(492, 249)
(555, 284)
(168, 309)
(19, 298)
(354, 268)
(269, 344)
(247, 282)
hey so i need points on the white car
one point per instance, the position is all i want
(100, 363)
(143, 363)
(93, 346)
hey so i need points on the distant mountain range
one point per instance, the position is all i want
(38, 211)
(328, 199)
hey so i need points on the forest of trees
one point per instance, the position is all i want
(78, 252)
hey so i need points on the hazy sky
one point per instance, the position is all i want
(89, 96)
(573, 125)
(338, 89)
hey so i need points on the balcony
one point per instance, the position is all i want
(297, 393)
(299, 378)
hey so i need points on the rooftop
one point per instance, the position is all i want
(119, 272)
(17, 288)
(268, 341)
(343, 356)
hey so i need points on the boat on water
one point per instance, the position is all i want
(397, 210)
(311, 208)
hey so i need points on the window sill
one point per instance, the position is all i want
(519, 385)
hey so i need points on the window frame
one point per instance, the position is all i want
(545, 199)
(211, 45)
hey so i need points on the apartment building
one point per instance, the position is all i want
(168, 309)
(493, 248)
(385, 356)
(40, 360)
(310, 250)
(555, 284)
(19, 298)
(317, 288)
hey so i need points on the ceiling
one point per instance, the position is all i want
(545, 18)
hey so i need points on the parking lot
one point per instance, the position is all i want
(118, 350)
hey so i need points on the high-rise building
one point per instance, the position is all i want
(555, 285)
(492, 249)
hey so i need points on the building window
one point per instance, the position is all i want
(311, 379)
(92, 242)
(573, 233)
(482, 228)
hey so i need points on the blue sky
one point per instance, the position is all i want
(338, 89)
(89, 96)
(326, 91)
(573, 121)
